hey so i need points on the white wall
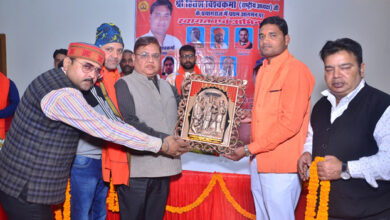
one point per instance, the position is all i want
(35, 28)
(312, 23)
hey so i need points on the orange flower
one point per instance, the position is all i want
(311, 198)
(112, 199)
(63, 213)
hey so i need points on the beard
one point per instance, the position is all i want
(128, 69)
(188, 65)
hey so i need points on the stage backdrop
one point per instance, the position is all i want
(213, 27)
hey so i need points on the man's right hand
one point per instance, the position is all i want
(174, 146)
(246, 117)
(304, 163)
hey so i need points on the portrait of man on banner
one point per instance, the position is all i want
(228, 66)
(160, 19)
(243, 38)
(168, 66)
(195, 36)
(219, 37)
(208, 66)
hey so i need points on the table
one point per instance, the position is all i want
(219, 177)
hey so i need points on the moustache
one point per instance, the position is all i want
(266, 45)
(116, 60)
(89, 79)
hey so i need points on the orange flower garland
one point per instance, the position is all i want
(66, 211)
(113, 205)
(58, 213)
(215, 178)
(112, 199)
(63, 213)
(197, 202)
(314, 182)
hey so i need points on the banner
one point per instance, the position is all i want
(224, 33)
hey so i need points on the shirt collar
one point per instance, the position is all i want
(278, 60)
(348, 98)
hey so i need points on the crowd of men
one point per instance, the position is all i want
(87, 121)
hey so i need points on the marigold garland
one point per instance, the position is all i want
(205, 194)
(232, 201)
(113, 205)
(58, 213)
(63, 213)
(66, 211)
(112, 199)
(314, 182)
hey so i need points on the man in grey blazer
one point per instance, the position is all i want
(149, 104)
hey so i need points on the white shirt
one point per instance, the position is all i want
(170, 42)
(370, 168)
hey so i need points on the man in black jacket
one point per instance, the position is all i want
(350, 129)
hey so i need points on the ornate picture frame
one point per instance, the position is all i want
(210, 112)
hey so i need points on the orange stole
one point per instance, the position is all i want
(114, 157)
(4, 86)
(179, 78)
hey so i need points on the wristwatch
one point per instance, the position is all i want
(247, 152)
(345, 175)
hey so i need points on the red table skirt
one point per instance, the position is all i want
(201, 195)
(188, 189)
(210, 196)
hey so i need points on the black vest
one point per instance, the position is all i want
(350, 137)
(38, 152)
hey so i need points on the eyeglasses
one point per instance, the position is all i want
(87, 68)
(146, 56)
(187, 56)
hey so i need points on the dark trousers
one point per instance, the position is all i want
(17, 209)
(145, 199)
(385, 215)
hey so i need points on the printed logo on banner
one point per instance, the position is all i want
(143, 6)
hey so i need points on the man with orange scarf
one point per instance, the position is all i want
(187, 67)
(109, 39)
(9, 100)
(88, 190)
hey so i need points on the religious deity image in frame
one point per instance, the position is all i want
(209, 114)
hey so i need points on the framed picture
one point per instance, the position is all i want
(209, 114)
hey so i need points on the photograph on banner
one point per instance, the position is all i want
(219, 37)
(228, 66)
(195, 36)
(169, 65)
(219, 30)
(207, 64)
(243, 38)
